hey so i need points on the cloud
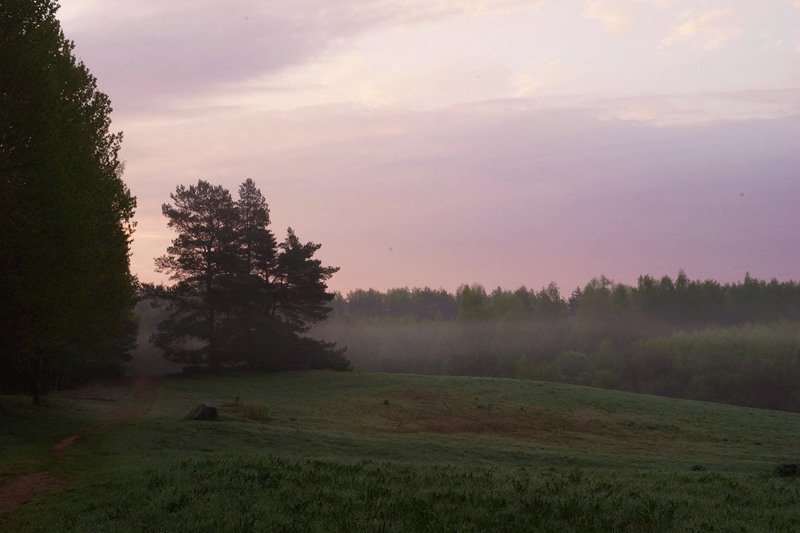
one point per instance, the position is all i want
(708, 29)
(450, 189)
(616, 16)
(532, 82)
(702, 108)
(620, 16)
(362, 151)
(150, 51)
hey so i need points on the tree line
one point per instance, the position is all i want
(66, 291)
(666, 303)
(730, 342)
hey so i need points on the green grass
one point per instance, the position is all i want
(330, 451)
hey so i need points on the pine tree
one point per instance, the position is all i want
(253, 327)
(257, 244)
(204, 261)
(302, 291)
(240, 299)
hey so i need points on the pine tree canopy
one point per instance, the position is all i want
(240, 299)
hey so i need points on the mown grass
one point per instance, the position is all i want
(392, 452)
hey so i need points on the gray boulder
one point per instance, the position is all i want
(203, 412)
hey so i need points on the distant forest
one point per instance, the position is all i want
(661, 303)
(735, 342)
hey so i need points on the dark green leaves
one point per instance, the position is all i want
(67, 291)
(240, 299)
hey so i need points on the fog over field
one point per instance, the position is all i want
(399, 265)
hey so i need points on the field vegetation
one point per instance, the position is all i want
(395, 452)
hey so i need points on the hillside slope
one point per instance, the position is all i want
(350, 451)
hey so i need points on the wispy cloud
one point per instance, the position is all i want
(428, 105)
(615, 16)
(621, 16)
(708, 29)
(684, 109)
(557, 183)
(532, 82)
(151, 50)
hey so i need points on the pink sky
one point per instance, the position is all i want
(440, 142)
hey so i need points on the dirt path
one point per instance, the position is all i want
(23, 489)
(143, 401)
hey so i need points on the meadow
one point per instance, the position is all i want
(357, 451)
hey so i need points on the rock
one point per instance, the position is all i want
(203, 412)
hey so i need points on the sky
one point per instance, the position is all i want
(441, 142)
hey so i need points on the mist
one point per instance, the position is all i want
(736, 343)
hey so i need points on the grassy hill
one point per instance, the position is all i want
(393, 452)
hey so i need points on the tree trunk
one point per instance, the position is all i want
(213, 359)
(37, 381)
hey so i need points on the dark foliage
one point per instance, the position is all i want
(66, 292)
(659, 305)
(240, 300)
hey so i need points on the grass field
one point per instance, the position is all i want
(350, 451)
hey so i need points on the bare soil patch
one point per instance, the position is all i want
(143, 401)
(458, 413)
(25, 488)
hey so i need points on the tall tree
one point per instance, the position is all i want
(253, 328)
(257, 244)
(65, 284)
(240, 299)
(203, 260)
